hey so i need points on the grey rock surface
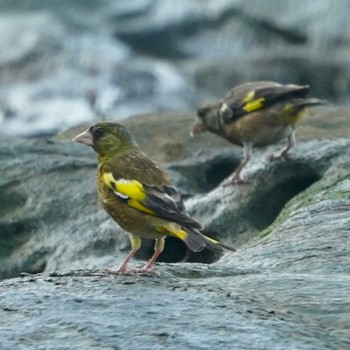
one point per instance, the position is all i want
(50, 218)
(287, 286)
(186, 307)
(68, 62)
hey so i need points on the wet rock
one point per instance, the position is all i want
(50, 218)
(272, 305)
(240, 213)
(69, 62)
(287, 286)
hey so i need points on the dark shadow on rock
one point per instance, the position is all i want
(264, 209)
(203, 173)
(176, 251)
(239, 213)
(11, 199)
(52, 220)
(15, 233)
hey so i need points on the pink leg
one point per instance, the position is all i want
(135, 246)
(235, 178)
(123, 267)
(157, 250)
(284, 155)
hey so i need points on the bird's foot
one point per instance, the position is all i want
(131, 272)
(283, 156)
(148, 269)
(234, 180)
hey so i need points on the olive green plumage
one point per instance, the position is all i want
(256, 114)
(138, 194)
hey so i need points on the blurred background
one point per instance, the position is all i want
(64, 62)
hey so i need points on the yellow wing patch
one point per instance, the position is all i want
(175, 230)
(211, 240)
(254, 105)
(109, 180)
(137, 205)
(249, 97)
(132, 190)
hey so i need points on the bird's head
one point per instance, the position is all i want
(107, 138)
(207, 119)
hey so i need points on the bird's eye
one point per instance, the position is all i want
(225, 113)
(201, 113)
(98, 132)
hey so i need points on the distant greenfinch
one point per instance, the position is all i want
(138, 195)
(256, 114)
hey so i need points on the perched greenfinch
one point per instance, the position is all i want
(256, 114)
(138, 194)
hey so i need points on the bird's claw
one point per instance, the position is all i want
(234, 180)
(148, 269)
(283, 156)
(133, 272)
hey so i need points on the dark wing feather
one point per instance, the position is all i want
(161, 198)
(166, 203)
(268, 93)
(274, 94)
(175, 195)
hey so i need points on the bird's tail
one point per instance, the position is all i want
(216, 245)
(195, 240)
(298, 105)
(295, 109)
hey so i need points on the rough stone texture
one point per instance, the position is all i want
(287, 287)
(50, 218)
(67, 62)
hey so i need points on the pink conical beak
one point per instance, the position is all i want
(84, 138)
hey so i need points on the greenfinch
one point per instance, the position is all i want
(256, 114)
(138, 195)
